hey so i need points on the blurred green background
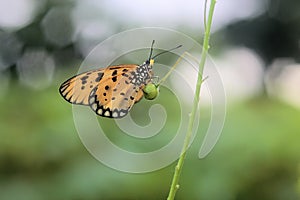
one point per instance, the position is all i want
(256, 47)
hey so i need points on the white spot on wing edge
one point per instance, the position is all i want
(107, 113)
(94, 106)
(100, 111)
(115, 114)
(122, 114)
(92, 100)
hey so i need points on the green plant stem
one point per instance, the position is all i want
(175, 182)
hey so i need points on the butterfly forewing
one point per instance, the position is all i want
(77, 89)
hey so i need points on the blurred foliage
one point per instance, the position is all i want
(273, 34)
(41, 156)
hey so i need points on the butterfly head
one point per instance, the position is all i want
(151, 62)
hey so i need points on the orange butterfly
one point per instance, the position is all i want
(112, 91)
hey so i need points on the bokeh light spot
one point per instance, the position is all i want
(10, 49)
(15, 14)
(282, 81)
(36, 69)
(58, 27)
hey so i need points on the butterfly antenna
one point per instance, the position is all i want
(165, 51)
(151, 50)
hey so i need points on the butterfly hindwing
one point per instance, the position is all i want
(115, 94)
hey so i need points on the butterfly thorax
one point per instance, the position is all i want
(142, 75)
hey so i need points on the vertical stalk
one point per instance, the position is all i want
(175, 182)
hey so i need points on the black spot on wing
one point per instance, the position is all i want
(115, 72)
(99, 77)
(83, 79)
(114, 79)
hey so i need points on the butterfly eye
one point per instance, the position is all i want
(150, 91)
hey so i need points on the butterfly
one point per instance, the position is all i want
(111, 92)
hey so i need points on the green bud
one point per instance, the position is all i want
(150, 91)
